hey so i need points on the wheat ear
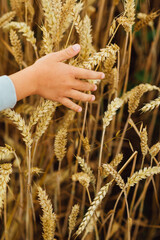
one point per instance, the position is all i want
(20, 124)
(5, 171)
(150, 106)
(154, 150)
(60, 144)
(73, 218)
(6, 18)
(142, 174)
(111, 111)
(117, 177)
(146, 20)
(48, 218)
(83, 178)
(26, 31)
(87, 170)
(144, 140)
(16, 47)
(96, 202)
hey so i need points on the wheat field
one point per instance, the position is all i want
(89, 175)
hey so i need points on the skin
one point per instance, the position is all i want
(50, 78)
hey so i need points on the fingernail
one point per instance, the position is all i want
(80, 109)
(95, 87)
(76, 47)
(102, 75)
(93, 98)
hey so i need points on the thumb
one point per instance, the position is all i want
(68, 52)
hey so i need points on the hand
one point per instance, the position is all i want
(59, 82)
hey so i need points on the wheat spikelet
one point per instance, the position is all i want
(117, 177)
(87, 170)
(5, 171)
(60, 144)
(144, 140)
(6, 18)
(83, 178)
(44, 107)
(20, 124)
(154, 150)
(146, 20)
(150, 106)
(23, 28)
(96, 202)
(44, 121)
(73, 217)
(48, 218)
(16, 47)
(142, 174)
(34, 170)
(6, 151)
(111, 111)
(136, 94)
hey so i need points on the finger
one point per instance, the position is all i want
(83, 86)
(87, 74)
(81, 96)
(67, 53)
(68, 103)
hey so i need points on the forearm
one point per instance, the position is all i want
(24, 82)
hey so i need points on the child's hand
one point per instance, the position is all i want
(50, 78)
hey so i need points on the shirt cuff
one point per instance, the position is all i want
(8, 96)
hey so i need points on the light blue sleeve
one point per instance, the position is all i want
(8, 96)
